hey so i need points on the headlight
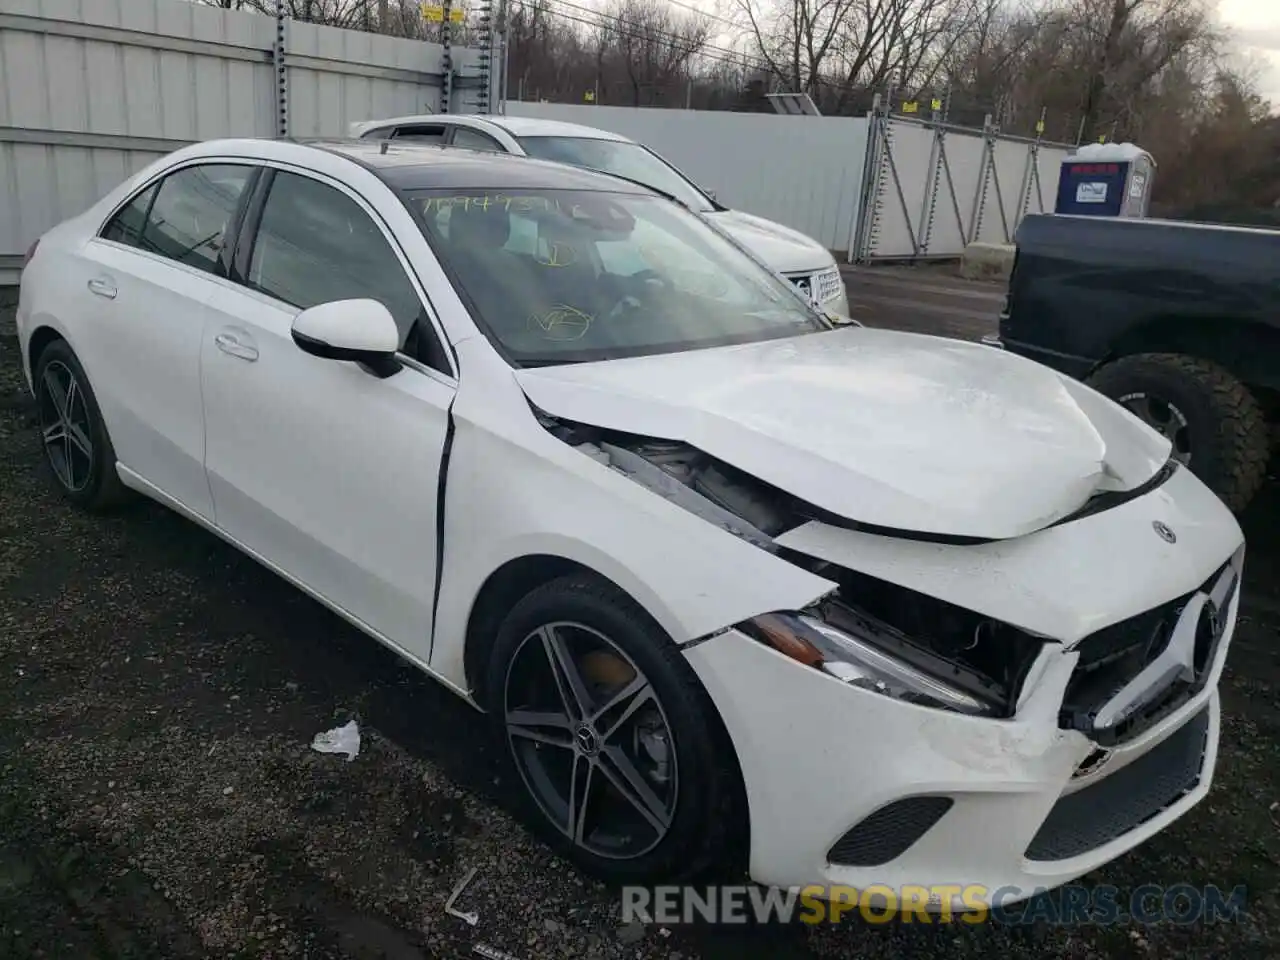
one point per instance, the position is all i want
(859, 663)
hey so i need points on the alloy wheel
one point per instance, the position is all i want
(1165, 418)
(64, 426)
(591, 740)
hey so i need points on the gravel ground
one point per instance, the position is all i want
(158, 798)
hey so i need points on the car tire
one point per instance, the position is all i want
(1227, 434)
(703, 813)
(82, 459)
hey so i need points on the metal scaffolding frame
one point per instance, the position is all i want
(931, 186)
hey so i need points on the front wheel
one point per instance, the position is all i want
(1213, 422)
(625, 768)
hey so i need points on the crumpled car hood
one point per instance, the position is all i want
(782, 248)
(889, 429)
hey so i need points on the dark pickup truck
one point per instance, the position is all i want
(1179, 322)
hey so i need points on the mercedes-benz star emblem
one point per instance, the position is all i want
(587, 741)
(1165, 534)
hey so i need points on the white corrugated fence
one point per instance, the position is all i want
(93, 90)
(802, 171)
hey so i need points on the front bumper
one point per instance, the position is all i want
(851, 788)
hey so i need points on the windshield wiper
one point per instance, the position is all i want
(648, 186)
(528, 362)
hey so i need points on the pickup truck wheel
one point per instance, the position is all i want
(1215, 425)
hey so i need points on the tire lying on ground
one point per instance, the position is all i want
(1215, 423)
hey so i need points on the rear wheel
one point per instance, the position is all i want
(76, 445)
(625, 768)
(1212, 421)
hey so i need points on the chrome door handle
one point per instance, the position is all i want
(102, 287)
(230, 345)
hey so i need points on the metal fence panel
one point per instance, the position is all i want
(93, 90)
(902, 187)
(801, 171)
(958, 174)
(934, 188)
(325, 96)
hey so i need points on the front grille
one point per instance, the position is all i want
(1114, 655)
(886, 834)
(819, 287)
(1128, 798)
(804, 285)
(829, 284)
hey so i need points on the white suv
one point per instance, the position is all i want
(802, 260)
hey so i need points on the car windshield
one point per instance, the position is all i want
(557, 276)
(629, 160)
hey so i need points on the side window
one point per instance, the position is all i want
(474, 140)
(315, 245)
(126, 226)
(189, 219)
(421, 133)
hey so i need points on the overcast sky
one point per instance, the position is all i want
(1255, 23)
(1257, 26)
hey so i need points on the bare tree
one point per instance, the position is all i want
(352, 14)
(1131, 42)
(1153, 71)
(832, 49)
(655, 45)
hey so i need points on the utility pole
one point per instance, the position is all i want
(282, 78)
(446, 56)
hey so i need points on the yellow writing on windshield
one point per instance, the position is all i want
(489, 202)
(556, 255)
(562, 322)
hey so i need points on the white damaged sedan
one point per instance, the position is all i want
(906, 610)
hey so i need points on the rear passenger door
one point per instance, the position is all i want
(327, 472)
(144, 281)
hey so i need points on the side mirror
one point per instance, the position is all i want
(360, 331)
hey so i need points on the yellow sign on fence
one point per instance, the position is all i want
(433, 13)
(911, 106)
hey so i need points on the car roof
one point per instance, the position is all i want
(536, 127)
(425, 166)
(516, 126)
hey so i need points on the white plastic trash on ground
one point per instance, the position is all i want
(343, 739)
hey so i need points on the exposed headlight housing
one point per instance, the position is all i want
(861, 662)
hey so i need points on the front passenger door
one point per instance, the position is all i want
(321, 468)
